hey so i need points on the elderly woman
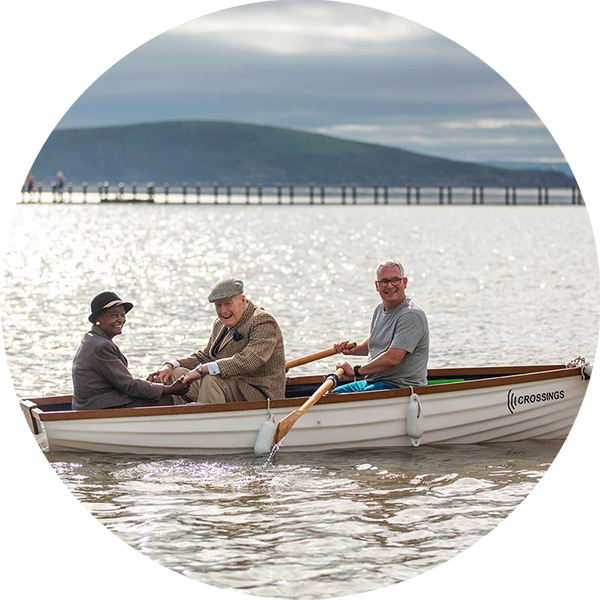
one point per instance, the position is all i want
(100, 375)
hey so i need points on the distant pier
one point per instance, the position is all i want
(290, 194)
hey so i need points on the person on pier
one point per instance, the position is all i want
(398, 343)
(101, 378)
(244, 359)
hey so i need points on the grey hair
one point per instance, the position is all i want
(390, 263)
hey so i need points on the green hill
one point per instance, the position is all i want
(235, 153)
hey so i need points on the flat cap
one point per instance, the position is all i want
(225, 288)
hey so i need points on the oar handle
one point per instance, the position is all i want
(316, 356)
(321, 391)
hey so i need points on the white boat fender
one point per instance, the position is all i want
(414, 419)
(592, 371)
(266, 433)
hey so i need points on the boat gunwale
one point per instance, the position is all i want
(539, 373)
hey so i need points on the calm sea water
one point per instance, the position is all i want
(501, 285)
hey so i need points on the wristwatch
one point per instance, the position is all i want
(356, 371)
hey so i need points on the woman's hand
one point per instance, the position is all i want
(179, 388)
(348, 370)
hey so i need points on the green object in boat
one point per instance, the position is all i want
(440, 381)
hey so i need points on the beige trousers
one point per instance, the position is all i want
(209, 389)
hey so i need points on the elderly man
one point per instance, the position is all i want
(244, 358)
(398, 342)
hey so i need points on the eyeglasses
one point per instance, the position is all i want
(395, 281)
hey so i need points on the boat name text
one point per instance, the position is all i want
(514, 400)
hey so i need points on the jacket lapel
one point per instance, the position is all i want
(99, 331)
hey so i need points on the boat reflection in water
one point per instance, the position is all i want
(401, 521)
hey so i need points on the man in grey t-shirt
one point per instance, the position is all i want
(398, 343)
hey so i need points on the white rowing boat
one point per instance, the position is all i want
(460, 406)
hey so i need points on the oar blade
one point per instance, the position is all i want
(284, 426)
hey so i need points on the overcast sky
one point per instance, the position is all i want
(326, 67)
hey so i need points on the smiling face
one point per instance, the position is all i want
(391, 285)
(111, 321)
(230, 311)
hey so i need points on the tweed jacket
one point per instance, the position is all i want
(256, 361)
(101, 378)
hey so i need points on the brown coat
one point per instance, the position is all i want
(256, 362)
(101, 378)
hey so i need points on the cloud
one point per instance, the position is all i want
(328, 67)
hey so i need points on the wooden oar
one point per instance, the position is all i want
(316, 356)
(284, 426)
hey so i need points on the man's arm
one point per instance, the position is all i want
(190, 362)
(385, 361)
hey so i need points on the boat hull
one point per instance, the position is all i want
(541, 405)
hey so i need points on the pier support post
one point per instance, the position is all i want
(408, 190)
(247, 192)
(84, 187)
(216, 192)
(184, 187)
(198, 192)
(134, 190)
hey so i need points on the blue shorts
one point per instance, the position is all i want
(364, 386)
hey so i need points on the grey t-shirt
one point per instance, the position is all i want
(404, 328)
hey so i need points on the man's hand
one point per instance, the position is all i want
(162, 375)
(341, 348)
(192, 375)
(348, 370)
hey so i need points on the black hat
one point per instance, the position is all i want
(107, 300)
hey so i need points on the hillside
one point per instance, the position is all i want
(235, 153)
